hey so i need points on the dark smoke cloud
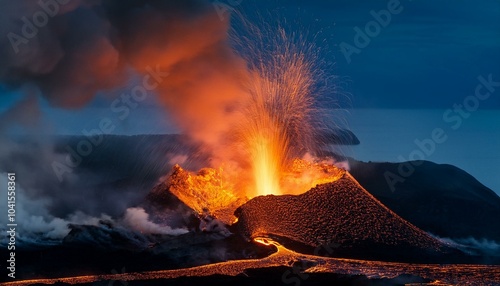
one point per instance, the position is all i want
(99, 45)
(69, 58)
(25, 113)
(92, 46)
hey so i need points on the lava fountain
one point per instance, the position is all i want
(277, 122)
(279, 117)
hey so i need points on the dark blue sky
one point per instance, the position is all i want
(428, 56)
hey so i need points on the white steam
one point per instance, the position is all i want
(137, 219)
(35, 225)
(484, 245)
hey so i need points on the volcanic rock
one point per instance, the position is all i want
(338, 136)
(206, 193)
(105, 236)
(438, 198)
(341, 214)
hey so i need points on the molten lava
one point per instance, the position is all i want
(266, 151)
(265, 168)
(208, 190)
(274, 121)
(279, 114)
(213, 191)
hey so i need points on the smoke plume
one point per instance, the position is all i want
(68, 51)
(90, 46)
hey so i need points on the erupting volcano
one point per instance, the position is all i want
(278, 122)
(278, 116)
(252, 186)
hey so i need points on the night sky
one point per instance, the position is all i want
(429, 55)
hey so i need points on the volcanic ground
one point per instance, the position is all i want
(341, 213)
(277, 239)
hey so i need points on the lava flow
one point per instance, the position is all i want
(310, 266)
(211, 189)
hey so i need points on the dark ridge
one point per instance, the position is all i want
(338, 137)
(438, 198)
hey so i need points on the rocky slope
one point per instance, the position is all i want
(340, 214)
(438, 198)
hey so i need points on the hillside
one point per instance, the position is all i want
(342, 214)
(438, 198)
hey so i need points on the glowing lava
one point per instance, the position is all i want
(211, 190)
(276, 121)
(208, 190)
(280, 120)
(439, 274)
(266, 167)
(268, 147)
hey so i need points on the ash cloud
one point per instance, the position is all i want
(69, 58)
(90, 46)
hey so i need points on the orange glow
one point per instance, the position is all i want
(266, 166)
(248, 101)
(264, 241)
(304, 175)
(439, 274)
(209, 189)
(214, 191)
(277, 117)
(252, 110)
(267, 145)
